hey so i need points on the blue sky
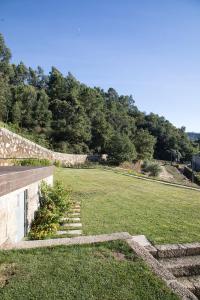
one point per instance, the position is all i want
(150, 49)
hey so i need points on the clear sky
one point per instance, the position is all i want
(147, 48)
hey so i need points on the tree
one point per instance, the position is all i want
(21, 74)
(42, 115)
(5, 56)
(144, 144)
(5, 99)
(120, 149)
(16, 113)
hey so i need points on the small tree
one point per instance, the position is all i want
(144, 144)
(120, 149)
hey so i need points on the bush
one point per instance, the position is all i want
(152, 168)
(44, 224)
(54, 202)
(57, 163)
(86, 165)
(32, 162)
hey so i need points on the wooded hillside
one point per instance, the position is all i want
(71, 117)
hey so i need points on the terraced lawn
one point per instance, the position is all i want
(113, 202)
(109, 271)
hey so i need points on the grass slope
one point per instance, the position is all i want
(109, 271)
(113, 202)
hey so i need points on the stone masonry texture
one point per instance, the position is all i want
(14, 146)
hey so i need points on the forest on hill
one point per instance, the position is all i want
(72, 117)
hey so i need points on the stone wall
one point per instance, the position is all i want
(14, 146)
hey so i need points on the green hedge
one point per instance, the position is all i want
(32, 162)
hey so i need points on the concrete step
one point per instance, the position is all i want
(192, 283)
(182, 266)
(76, 207)
(177, 250)
(74, 232)
(76, 210)
(75, 225)
(71, 215)
(72, 219)
(60, 232)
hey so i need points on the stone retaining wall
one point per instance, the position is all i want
(14, 146)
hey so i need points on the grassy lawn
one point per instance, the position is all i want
(109, 271)
(113, 202)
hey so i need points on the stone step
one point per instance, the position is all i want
(74, 232)
(60, 232)
(177, 250)
(192, 283)
(70, 215)
(76, 203)
(75, 225)
(72, 219)
(75, 211)
(182, 266)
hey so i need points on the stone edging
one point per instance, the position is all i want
(155, 180)
(161, 272)
(67, 241)
(141, 252)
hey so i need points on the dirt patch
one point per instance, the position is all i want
(6, 272)
(119, 256)
(165, 174)
(107, 254)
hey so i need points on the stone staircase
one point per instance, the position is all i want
(183, 261)
(72, 225)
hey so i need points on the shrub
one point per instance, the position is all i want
(57, 163)
(152, 168)
(54, 202)
(60, 197)
(44, 224)
(32, 162)
(86, 165)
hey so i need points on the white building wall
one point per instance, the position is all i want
(12, 211)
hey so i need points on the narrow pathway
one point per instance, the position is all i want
(72, 225)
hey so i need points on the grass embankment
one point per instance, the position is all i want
(109, 271)
(178, 177)
(113, 202)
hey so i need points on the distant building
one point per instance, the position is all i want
(196, 162)
(19, 199)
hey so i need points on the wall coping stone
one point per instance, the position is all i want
(14, 178)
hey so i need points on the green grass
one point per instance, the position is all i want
(113, 202)
(109, 271)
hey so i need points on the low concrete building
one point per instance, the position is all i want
(19, 199)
